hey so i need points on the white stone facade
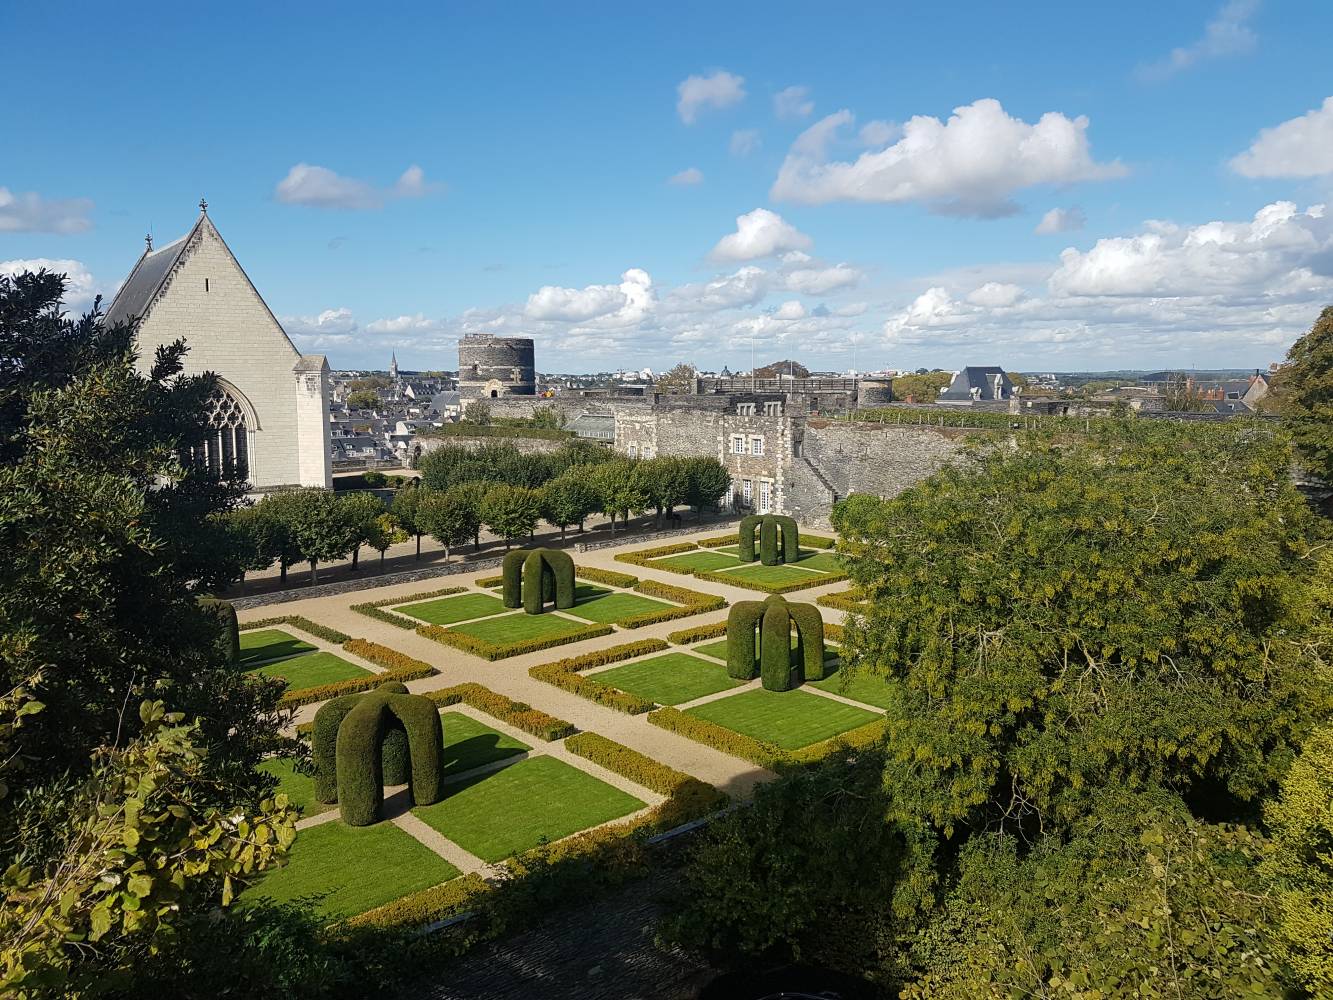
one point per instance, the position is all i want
(196, 290)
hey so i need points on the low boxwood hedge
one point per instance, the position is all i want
(372, 609)
(697, 633)
(717, 541)
(718, 737)
(489, 582)
(642, 556)
(817, 541)
(843, 600)
(420, 908)
(607, 576)
(499, 651)
(515, 713)
(681, 595)
(770, 588)
(627, 762)
(862, 736)
(390, 659)
(564, 675)
(299, 621)
(833, 632)
(353, 685)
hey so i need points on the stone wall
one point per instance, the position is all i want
(528, 446)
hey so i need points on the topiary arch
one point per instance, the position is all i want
(361, 742)
(532, 577)
(766, 626)
(772, 528)
(229, 632)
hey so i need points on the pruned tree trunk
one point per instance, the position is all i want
(418, 547)
(314, 573)
(356, 554)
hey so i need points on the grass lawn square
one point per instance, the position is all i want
(269, 644)
(353, 869)
(861, 685)
(299, 788)
(825, 562)
(514, 809)
(688, 562)
(607, 607)
(311, 670)
(789, 719)
(518, 626)
(670, 679)
(758, 573)
(468, 743)
(458, 608)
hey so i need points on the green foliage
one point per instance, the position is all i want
(709, 481)
(923, 388)
(363, 399)
(665, 482)
(618, 489)
(566, 500)
(477, 412)
(607, 576)
(406, 511)
(1161, 573)
(322, 525)
(362, 512)
(361, 751)
(501, 431)
(1179, 395)
(1304, 387)
(510, 511)
(515, 713)
(451, 518)
(677, 380)
(564, 674)
(229, 632)
(372, 609)
(695, 633)
(301, 622)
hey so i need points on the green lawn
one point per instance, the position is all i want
(789, 719)
(469, 744)
(263, 644)
(299, 788)
(311, 670)
(859, 686)
(518, 626)
(610, 607)
(353, 869)
(759, 573)
(719, 649)
(459, 607)
(670, 679)
(824, 561)
(688, 562)
(519, 807)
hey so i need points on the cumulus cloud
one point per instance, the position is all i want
(744, 141)
(624, 304)
(1299, 147)
(760, 233)
(802, 273)
(970, 165)
(744, 287)
(793, 102)
(790, 310)
(320, 187)
(1061, 220)
(687, 177)
(1228, 33)
(718, 90)
(29, 212)
(81, 288)
(878, 133)
(995, 295)
(329, 328)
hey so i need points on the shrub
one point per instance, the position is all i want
(697, 632)
(564, 675)
(819, 580)
(607, 576)
(499, 651)
(388, 658)
(844, 600)
(716, 541)
(489, 582)
(515, 713)
(661, 615)
(301, 622)
(398, 667)
(421, 908)
(643, 556)
(818, 542)
(627, 762)
(833, 632)
(474, 430)
(372, 609)
(718, 737)
(856, 739)
(229, 632)
(681, 595)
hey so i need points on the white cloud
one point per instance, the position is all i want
(995, 295)
(744, 141)
(745, 287)
(610, 305)
(330, 327)
(760, 233)
(1061, 220)
(687, 177)
(81, 288)
(802, 273)
(879, 133)
(793, 102)
(413, 326)
(970, 165)
(720, 90)
(1226, 34)
(790, 310)
(29, 212)
(1299, 147)
(320, 187)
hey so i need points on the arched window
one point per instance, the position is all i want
(226, 450)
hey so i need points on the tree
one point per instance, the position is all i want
(665, 482)
(923, 387)
(370, 382)
(473, 494)
(549, 417)
(477, 412)
(323, 528)
(362, 510)
(1180, 396)
(617, 489)
(678, 380)
(363, 399)
(709, 480)
(511, 511)
(449, 517)
(405, 506)
(276, 510)
(1305, 390)
(382, 533)
(567, 500)
(779, 369)
(258, 539)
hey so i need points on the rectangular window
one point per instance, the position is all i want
(634, 451)
(765, 496)
(747, 492)
(737, 444)
(756, 446)
(772, 409)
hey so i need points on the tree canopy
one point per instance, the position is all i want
(1305, 391)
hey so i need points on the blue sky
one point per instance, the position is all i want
(850, 185)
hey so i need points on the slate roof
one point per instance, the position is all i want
(976, 377)
(141, 286)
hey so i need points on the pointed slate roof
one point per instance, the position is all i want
(142, 285)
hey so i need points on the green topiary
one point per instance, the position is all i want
(779, 539)
(229, 631)
(773, 619)
(748, 526)
(768, 541)
(791, 537)
(742, 620)
(533, 577)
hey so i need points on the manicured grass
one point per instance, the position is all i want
(469, 744)
(299, 788)
(311, 670)
(826, 562)
(690, 561)
(719, 649)
(613, 607)
(789, 719)
(670, 679)
(515, 809)
(759, 573)
(269, 644)
(518, 626)
(859, 686)
(447, 610)
(353, 869)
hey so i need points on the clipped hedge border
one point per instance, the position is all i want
(817, 541)
(643, 556)
(399, 667)
(564, 675)
(681, 595)
(607, 576)
(490, 582)
(688, 635)
(420, 908)
(833, 632)
(843, 600)
(515, 713)
(769, 588)
(718, 541)
(372, 609)
(861, 736)
(301, 622)
(499, 651)
(761, 752)
(627, 762)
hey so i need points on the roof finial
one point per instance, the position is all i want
(148, 240)
(203, 207)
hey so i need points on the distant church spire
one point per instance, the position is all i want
(393, 364)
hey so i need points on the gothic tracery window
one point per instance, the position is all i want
(226, 450)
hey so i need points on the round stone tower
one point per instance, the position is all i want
(490, 367)
(871, 392)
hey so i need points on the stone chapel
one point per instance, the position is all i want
(270, 417)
